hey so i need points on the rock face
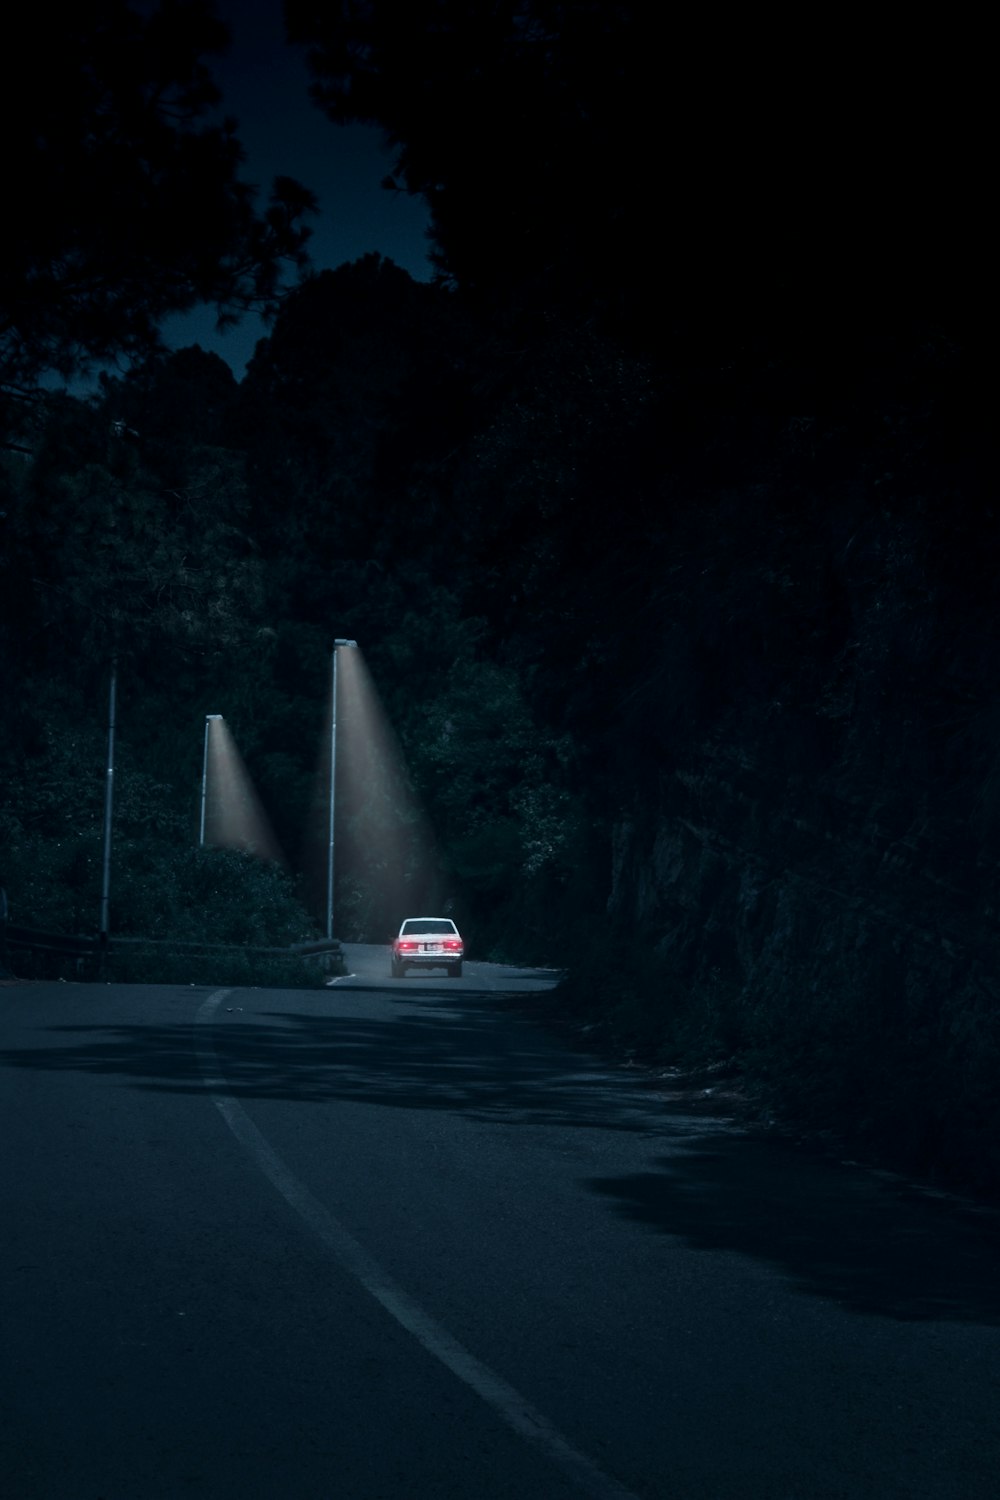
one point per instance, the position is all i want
(811, 850)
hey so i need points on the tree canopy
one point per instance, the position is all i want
(124, 190)
(663, 519)
(687, 177)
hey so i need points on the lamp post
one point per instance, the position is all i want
(109, 793)
(333, 782)
(204, 775)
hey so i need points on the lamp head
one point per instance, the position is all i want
(340, 642)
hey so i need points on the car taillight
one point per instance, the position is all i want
(405, 946)
(453, 943)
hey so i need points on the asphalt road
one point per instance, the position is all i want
(393, 1241)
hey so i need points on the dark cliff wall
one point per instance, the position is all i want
(809, 849)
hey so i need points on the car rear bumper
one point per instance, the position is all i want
(429, 960)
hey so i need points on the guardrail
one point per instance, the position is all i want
(30, 953)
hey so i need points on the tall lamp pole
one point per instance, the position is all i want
(204, 775)
(333, 783)
(109, 792)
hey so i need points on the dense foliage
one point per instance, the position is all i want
(674, 572)
(125, 196)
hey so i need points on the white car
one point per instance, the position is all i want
(427, 943)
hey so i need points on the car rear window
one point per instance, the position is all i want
(429, 924)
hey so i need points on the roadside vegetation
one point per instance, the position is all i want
(682, 603)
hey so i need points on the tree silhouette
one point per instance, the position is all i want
(126, 198)
(690, 180)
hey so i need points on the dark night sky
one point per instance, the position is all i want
(264, 85)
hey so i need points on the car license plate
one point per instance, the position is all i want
(431, 947)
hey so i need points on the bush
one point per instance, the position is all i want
(168, 894)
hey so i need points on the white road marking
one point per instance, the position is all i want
(508, 1403)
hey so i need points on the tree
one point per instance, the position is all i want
(349, 412)
(110, 552)
(691, 179)
(126, 198)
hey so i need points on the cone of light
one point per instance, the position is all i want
(386, 858)
(234, 817)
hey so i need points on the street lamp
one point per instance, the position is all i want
(333, 784)
(204, 775)
(109, 790)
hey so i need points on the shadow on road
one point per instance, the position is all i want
(868, 1243)
(441, 1051)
